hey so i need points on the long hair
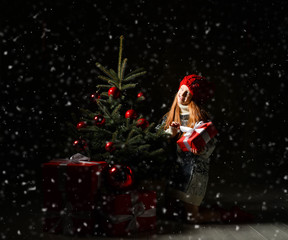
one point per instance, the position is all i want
(196, 114)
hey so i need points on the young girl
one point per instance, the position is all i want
(189, 178)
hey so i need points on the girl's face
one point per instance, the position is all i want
(184, 96)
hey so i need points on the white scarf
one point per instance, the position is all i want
(184, 109)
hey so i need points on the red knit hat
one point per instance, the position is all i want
(198, 86)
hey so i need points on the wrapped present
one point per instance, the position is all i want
(133, 211)
(70, 190)
(196, 137)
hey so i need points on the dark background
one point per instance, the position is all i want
(48, 51)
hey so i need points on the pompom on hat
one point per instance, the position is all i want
(199, 87)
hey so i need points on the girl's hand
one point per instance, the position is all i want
(175, 125)
(197, 152)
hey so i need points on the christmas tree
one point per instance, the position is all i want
(116, 133)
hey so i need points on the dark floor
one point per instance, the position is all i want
(261, 231)
(21, 218)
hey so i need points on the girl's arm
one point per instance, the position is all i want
(173, 129)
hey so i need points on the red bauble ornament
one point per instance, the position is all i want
(81, 125)
(95, 96)
(143, 123)
(114, 92)
(110, 147)
(80, 144)
(141, 96)
(120, 176)
(131, 113)
(99, 120)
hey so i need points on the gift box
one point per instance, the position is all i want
(197, 137)
(130, 212)
(70, 188)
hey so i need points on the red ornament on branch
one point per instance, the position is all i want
(131, 113)
(114, 92)
(110, 147)
(141, 96)
(81, 125)
(120, 176)
(95, 96)
(99, 120)
(80, 145)
(143, 123)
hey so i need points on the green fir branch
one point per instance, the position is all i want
(116, 110)
(89, 129)
(103, 86)
(131, 133)
(114, 136)
(144, 147)
(132, 77)
(114, 74)
(87, 113)
(104, 110)
(101, 100)
(127, 86)
(120, 56)
(111, 81)
(115, 84)
(103, 94)
(160, 130)
(149, 135)
(135, 71)
(157, 152)
(105, 131)
(95, 129)
(106, 155)
(134, 140)
(104, 78)
(101, 156)
(103, 69)
(123, 67)
(127, 122)
(149, 128)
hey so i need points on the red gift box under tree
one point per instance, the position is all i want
(70, 191)
(133, 211)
